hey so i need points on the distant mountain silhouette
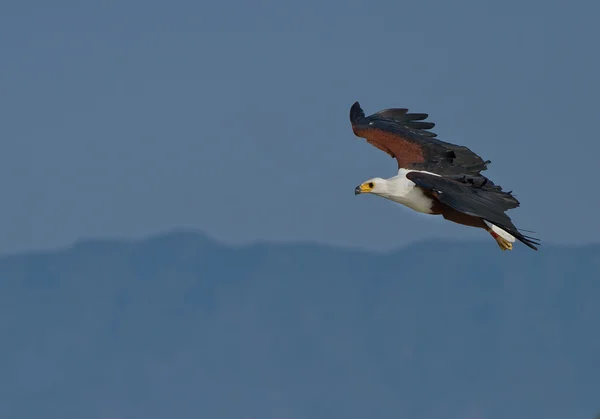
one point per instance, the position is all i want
(178, 326)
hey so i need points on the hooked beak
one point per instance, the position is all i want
(363, 188)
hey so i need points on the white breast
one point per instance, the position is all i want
(404, 191)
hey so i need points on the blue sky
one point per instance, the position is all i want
(127, 118)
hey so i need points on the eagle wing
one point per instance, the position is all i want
(406, 137)
(466, 195)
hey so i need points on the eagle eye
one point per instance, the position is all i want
(371, 184)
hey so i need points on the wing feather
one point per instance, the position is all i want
(405, 137)
(488, 203)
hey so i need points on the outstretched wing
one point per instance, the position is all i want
(483, 201)
(405, 137)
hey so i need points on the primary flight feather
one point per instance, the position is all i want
(435, 177)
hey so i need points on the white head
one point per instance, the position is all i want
(376, 186)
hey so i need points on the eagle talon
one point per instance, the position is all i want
(503, 244)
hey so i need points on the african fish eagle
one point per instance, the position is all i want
(435, 177)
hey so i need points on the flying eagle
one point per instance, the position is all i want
(436, 177)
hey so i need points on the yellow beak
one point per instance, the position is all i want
(363, 188)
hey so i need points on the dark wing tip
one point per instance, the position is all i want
(419, 125)
(395, 114)
(356, 113)
(411, 120)
(416, 116)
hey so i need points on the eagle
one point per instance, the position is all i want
(435, 177)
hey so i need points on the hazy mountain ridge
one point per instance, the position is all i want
(431, 330)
